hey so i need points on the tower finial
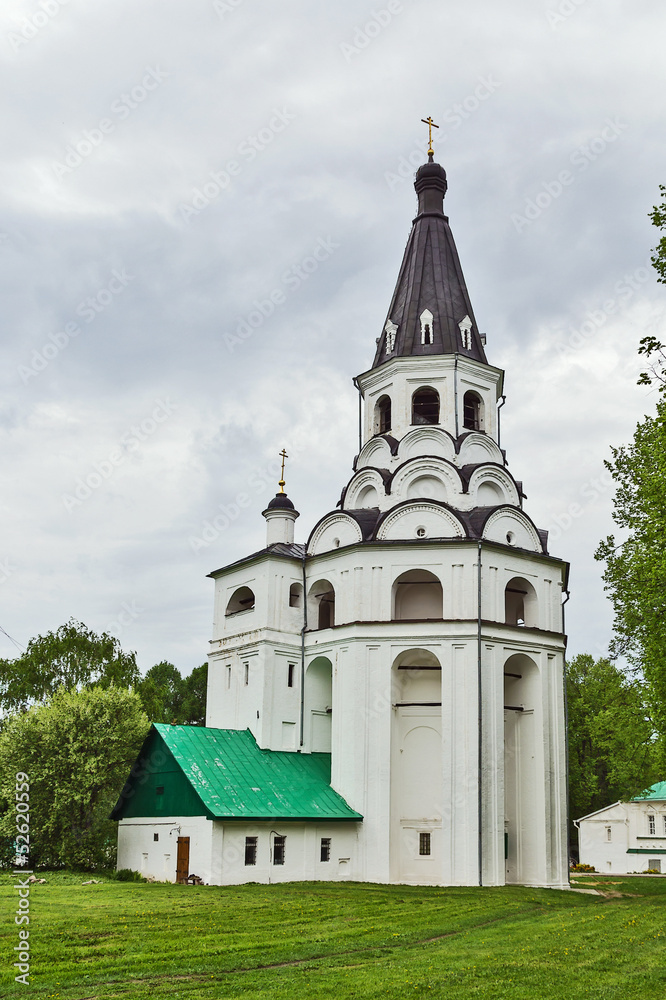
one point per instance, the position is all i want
(431, 125)
(283, 456)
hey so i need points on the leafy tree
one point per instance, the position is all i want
(635, 573)
(77, 751)
(72, 657)
(168, 697)
(194, 698)
(612, 753)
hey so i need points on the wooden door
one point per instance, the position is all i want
(183, 859)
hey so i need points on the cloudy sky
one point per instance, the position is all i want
(168, 167)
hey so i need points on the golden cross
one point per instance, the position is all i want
(431, 125)
(283, 456)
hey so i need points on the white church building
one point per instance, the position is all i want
(385, 701)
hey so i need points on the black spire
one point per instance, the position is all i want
(430, 283)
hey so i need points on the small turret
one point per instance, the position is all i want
(280, 514)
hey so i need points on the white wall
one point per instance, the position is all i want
(138, 850)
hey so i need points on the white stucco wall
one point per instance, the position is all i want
(629, 828)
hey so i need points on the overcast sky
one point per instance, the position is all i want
(168, 166)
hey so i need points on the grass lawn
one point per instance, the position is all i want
(315, 940)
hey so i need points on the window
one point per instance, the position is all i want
(466, 333)
(326, 616)
(325, 849)
(390, 329)
(664, 825)
(241, 600)
(652, 826)
(609, 834)
(383, 415)
(655, 864)
(228, 676)
(472, 411)
(159, 790)
(290, 675)
(250, 850)
(425, 406)
(246, 674)
(295, 594)
(278, 850)
(156, 837)
(426, 327)
(424, 844)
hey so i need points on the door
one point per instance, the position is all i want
(183, 859)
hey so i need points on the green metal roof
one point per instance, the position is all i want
(646, 850)
(235, 779)
(656, 791)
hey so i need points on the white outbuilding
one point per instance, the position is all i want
(628, 836)
(416, 639)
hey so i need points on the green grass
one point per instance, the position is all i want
(316, 940)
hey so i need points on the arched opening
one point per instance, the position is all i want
(427, 335)
(520, 603)
(318, 705)
(472, 411)
(416, 772)
(241, 600)
(524, 841)
(383, 415)
(417, 595)
(425, 406)
(321, 605)
(295, 595)
(368, 497)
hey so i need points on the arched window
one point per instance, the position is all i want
(417, 595)
(321, 605)
(472, 412)
(241, 600)
(425, 406)
(427, 336)
(520, 603)
(295, 595)
(383, 415)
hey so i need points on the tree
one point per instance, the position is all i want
(635, 573)
(77, 750)
(612, 751)
(168, 697)
(72, 657)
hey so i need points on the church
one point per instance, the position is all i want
(386, 700)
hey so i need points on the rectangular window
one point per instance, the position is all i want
(609, 834)
(325, 851)
(156, 837)
(250, 850)
(159, 790)
(290, 675)
(665, 825)
(278, 850)
(246, 669)
(424, 844)
(228, 676)
(652, 826)
(655, 864)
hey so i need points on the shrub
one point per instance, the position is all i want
(128, 875)
(582, 868)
